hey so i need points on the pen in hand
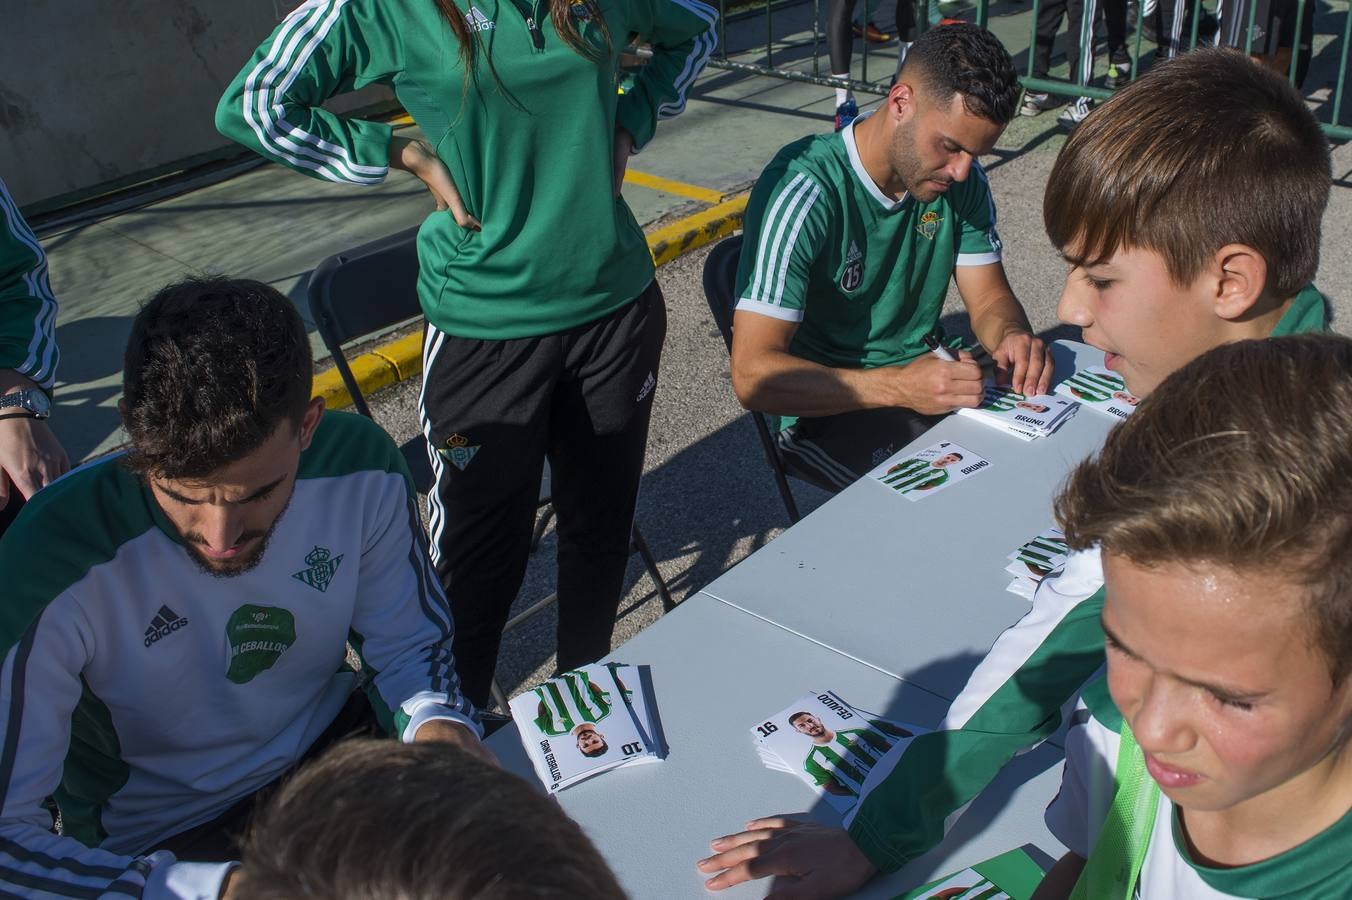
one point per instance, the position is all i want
(938, 349)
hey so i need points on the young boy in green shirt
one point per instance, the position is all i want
(1188, 210)
(1210, 761)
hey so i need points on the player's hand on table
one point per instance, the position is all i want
(933, 386)
(419, 159)
(814, 861)
(450, 732)
(1024, 362)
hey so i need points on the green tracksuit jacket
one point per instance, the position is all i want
(528, 140)
(27, 306)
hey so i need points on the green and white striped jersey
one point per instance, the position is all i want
(1094, 387)
(914, 475)
(149, 696)
(27, 305)
(863, 275)
(1320, 867)
(564, 708)
(528, 136)
(1012, 700)
(846, 758)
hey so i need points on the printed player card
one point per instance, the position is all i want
(929, 471)
(828, 744)
(1039, 557)
(635, 684)
(579, 725)
(1035, 560)
(1024, 417)
(1101, 389)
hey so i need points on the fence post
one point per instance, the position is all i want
(1342, 69)
(1295, 44)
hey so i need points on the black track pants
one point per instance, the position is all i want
(492, 412)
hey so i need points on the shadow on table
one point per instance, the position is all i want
(983, 810)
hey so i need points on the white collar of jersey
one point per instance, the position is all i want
(851, 150)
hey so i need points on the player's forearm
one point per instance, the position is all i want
(780, 383)
(997, 318)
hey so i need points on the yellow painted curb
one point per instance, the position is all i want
(402, 359)
(693, 232)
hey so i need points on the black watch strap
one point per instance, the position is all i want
(21, 415)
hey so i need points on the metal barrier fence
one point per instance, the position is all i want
(794, 41)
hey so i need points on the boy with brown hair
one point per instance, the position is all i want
(370, 819)
(1223, 512)
(1188, 210)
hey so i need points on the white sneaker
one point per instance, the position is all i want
(1075, 113)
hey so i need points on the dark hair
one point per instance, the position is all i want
(1242, 458)
(798, 715)
(376, 819)
(212, 367)
(591, 754)
(964, 59)
(1204, 150)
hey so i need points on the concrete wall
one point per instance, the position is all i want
(92, 91)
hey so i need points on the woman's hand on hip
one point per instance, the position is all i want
(417, 158)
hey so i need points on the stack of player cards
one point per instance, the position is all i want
(1027, 418)
(828, 744)
(931, 470)
(1035, 560)
(588, 721)
(1101, 389)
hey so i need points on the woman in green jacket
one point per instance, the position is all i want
(544, 322)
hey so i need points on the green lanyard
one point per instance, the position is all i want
(1115, 862)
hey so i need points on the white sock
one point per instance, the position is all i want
(842, 93)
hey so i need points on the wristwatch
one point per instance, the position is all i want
(29, 401)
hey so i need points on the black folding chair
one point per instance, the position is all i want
(373, 287)
(720, 276)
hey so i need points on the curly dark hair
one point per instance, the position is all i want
(964, 59)
(212, 367)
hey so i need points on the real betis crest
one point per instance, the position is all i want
(322, 565)
(458, 451)
(929, 225)
(853, 273)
